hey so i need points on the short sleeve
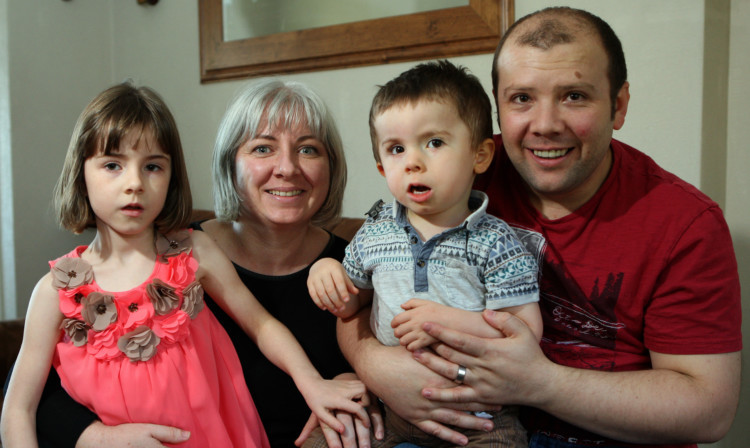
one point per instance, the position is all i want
(696, 308)
(511, 277)
(353, 262)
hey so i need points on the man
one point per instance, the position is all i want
(639, 284)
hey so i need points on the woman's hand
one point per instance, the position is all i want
(324, 397)
(130, 435)
(356, 432)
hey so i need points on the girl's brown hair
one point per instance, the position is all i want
(100, 128)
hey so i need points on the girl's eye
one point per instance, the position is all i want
(111, 166)
(397, 149)
(153, 167)
(435, 143)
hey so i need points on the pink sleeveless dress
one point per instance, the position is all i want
(153, 354)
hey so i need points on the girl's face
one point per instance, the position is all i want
(283, 175)
(127, 188)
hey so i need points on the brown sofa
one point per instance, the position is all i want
(11, 331)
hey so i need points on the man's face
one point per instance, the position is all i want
(556, 119)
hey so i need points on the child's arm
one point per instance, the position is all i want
(220, 280)
(408, 325)
(41, 333)
(331, 289)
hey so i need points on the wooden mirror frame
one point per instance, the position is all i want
(427, 35)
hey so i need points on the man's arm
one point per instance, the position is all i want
(683, 399)
(391, 374)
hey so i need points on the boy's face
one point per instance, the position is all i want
(428, 161)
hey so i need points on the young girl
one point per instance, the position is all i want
(122, 320)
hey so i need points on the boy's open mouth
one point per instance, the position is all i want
(418, 189)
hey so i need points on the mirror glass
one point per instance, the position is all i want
(254, 18)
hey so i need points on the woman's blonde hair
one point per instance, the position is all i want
(100, 128)
(281, 105)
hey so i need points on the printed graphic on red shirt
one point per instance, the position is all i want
(579, 329)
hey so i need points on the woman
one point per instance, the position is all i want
(279, 175)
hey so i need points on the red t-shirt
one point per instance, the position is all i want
(646, 264)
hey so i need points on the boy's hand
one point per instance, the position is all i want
(329, 286)
(407, 326)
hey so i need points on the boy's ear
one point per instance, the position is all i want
(483, 155)
(380, 169)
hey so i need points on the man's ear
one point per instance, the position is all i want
(483, 155)
(380, 169)
(621, 106)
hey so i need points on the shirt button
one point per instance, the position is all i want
(413, 239)
(420, 263)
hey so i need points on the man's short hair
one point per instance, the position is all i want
(559, 25)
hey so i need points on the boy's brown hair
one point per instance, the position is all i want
(437, 81)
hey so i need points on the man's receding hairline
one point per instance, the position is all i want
(546, 30)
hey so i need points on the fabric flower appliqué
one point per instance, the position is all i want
(99, 310)
(172, 328)
(102, 345)
(77, 331)
(179, 270)
(140, 344)
(172, 244)
(71, 300)
(135, 309)
(70, 273)
(192, 299)
(163, 297)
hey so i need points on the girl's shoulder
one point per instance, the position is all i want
(75, 253)
(70, 270)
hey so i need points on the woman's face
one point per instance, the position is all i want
(283, 175)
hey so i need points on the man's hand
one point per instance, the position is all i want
(681, 399)
(499, 370)
(392, 374)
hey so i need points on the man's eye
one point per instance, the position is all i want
(520, 98)
(575, 96)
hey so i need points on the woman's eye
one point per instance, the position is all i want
(309, 150)
(435, 143)
(262, 149)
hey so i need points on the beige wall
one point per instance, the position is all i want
(738, 192)
(57, 55)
